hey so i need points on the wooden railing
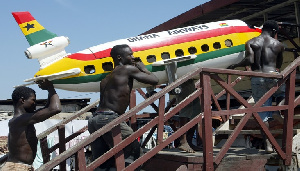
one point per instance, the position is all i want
(287, 76)
(207, 97)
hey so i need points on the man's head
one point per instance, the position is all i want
(27, 97)
(271, 25)
(122, 54)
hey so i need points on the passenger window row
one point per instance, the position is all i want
(108, 66)
(192, 50)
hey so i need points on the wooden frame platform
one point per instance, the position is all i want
(238, 158)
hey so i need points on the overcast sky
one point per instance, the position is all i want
(86, 23)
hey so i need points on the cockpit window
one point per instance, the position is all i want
(89, 69)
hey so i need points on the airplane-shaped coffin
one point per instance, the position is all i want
(215, 44)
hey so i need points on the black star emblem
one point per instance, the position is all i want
(29, 26)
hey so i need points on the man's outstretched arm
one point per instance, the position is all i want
(141, 74)
(248, 60)
(52, 107)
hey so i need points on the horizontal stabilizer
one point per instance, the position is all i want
(51, 77)
(177, 59)
(27, 84)
(56, 76)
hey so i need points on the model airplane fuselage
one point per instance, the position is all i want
(215, 44)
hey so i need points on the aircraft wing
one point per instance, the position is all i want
(177, 59)
(73, 71)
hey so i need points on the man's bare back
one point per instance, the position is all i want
(266, 53)
(263, 53)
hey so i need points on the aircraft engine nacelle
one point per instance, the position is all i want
(47, 48)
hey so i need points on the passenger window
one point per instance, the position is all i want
(165, 55)
(192, 50)
(179, 52)
(205, 48)
(107, 66)
(89, 69)
(151, 58)
(228, 43)
(217, 45)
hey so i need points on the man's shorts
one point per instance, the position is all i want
(11, 166)
(260, 86)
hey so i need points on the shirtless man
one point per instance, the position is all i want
(22, 140)
(115, 91)
(264, 54)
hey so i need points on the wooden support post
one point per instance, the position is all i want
(161, 113)
(62, 144)
(117, 137)
(227, 98)
(45, 150)
(80, 163)
(132, 105)
(207, 124)
(288, 118)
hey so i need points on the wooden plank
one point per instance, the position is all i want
(235, 158)
(238, 117)
(243, 132)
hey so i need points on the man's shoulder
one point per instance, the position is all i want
(277, 43)
(254, 40)
(22, 118)
(124, 69)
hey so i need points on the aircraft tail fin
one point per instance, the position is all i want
(45, 46)
(32, 30)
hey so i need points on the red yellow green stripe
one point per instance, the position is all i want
(169, 41)
(199, 58)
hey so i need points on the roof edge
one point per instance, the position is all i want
(191, 14)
